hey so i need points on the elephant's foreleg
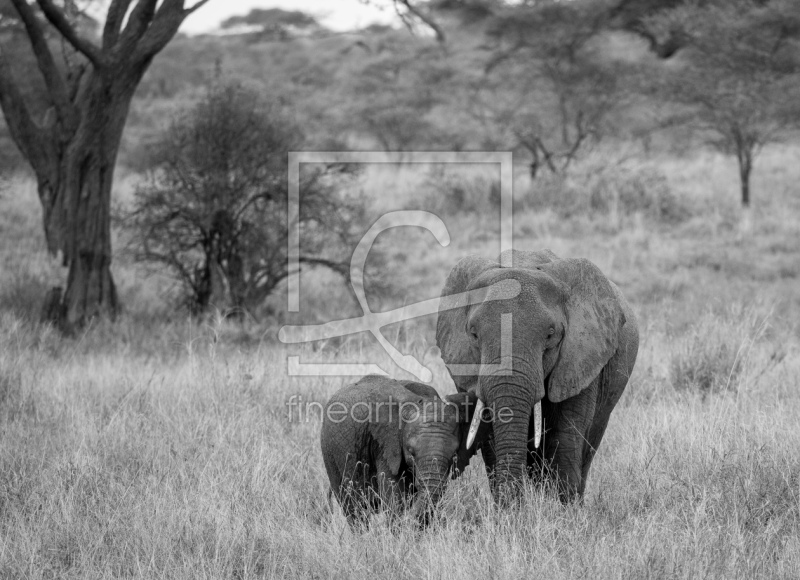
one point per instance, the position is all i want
(592, 443)
(610, 386)
(567, 442)
(565, 467)
(608, 395)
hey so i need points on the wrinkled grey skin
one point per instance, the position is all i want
(574, 344)
(397, 443)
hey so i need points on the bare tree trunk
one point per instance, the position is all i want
(75, 191)
(745, 158)
(78, 218)
(745, 168)
(73, 147)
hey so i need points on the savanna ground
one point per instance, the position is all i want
(161, 447)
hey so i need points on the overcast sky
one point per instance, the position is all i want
(335, 14)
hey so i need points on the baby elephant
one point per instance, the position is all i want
(387, 444)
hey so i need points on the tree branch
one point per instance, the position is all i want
(56, 86)
(163, 26)
(339, 267)
(29, 137)
(138, 22)
(504, 55)
(416, 12)
(548, 156)
(195, 7)
(60, 22)
(114, 18)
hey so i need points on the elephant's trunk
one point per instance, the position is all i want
(511, 399)
(431, 475)
(511, 438)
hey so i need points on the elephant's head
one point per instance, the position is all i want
(551, 340)
(432, 437)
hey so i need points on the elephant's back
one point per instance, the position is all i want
(345, 436)
(370, 389)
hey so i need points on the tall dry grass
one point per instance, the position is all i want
(162, 447)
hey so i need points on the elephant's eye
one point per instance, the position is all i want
(551, 332)
(473, 334)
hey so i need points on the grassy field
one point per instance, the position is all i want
(160, 447)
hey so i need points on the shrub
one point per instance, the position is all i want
(557, 193)
(720, 353)
(214, 210)
(607, 189)
(627, 190)
(708, 361)
(451, 193)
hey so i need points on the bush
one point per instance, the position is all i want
(626, 191)
(214, 209)
(557, 193)
(609, 190)
(451, 193)
(721, 353)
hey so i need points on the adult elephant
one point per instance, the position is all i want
(573, 340)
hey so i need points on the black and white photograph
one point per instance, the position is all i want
(402, 289)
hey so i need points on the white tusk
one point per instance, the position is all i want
(537, 424)
(476, 422)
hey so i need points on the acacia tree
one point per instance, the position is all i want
(543, 89)
(72, 147)
(413, 13)
(399, 100)
(739, 79)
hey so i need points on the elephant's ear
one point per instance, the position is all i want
(386, 431)
(465, 404)
(451, 332)
(594, 319)
(420, 389)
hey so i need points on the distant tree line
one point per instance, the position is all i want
(536, 77)
(548, 89)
